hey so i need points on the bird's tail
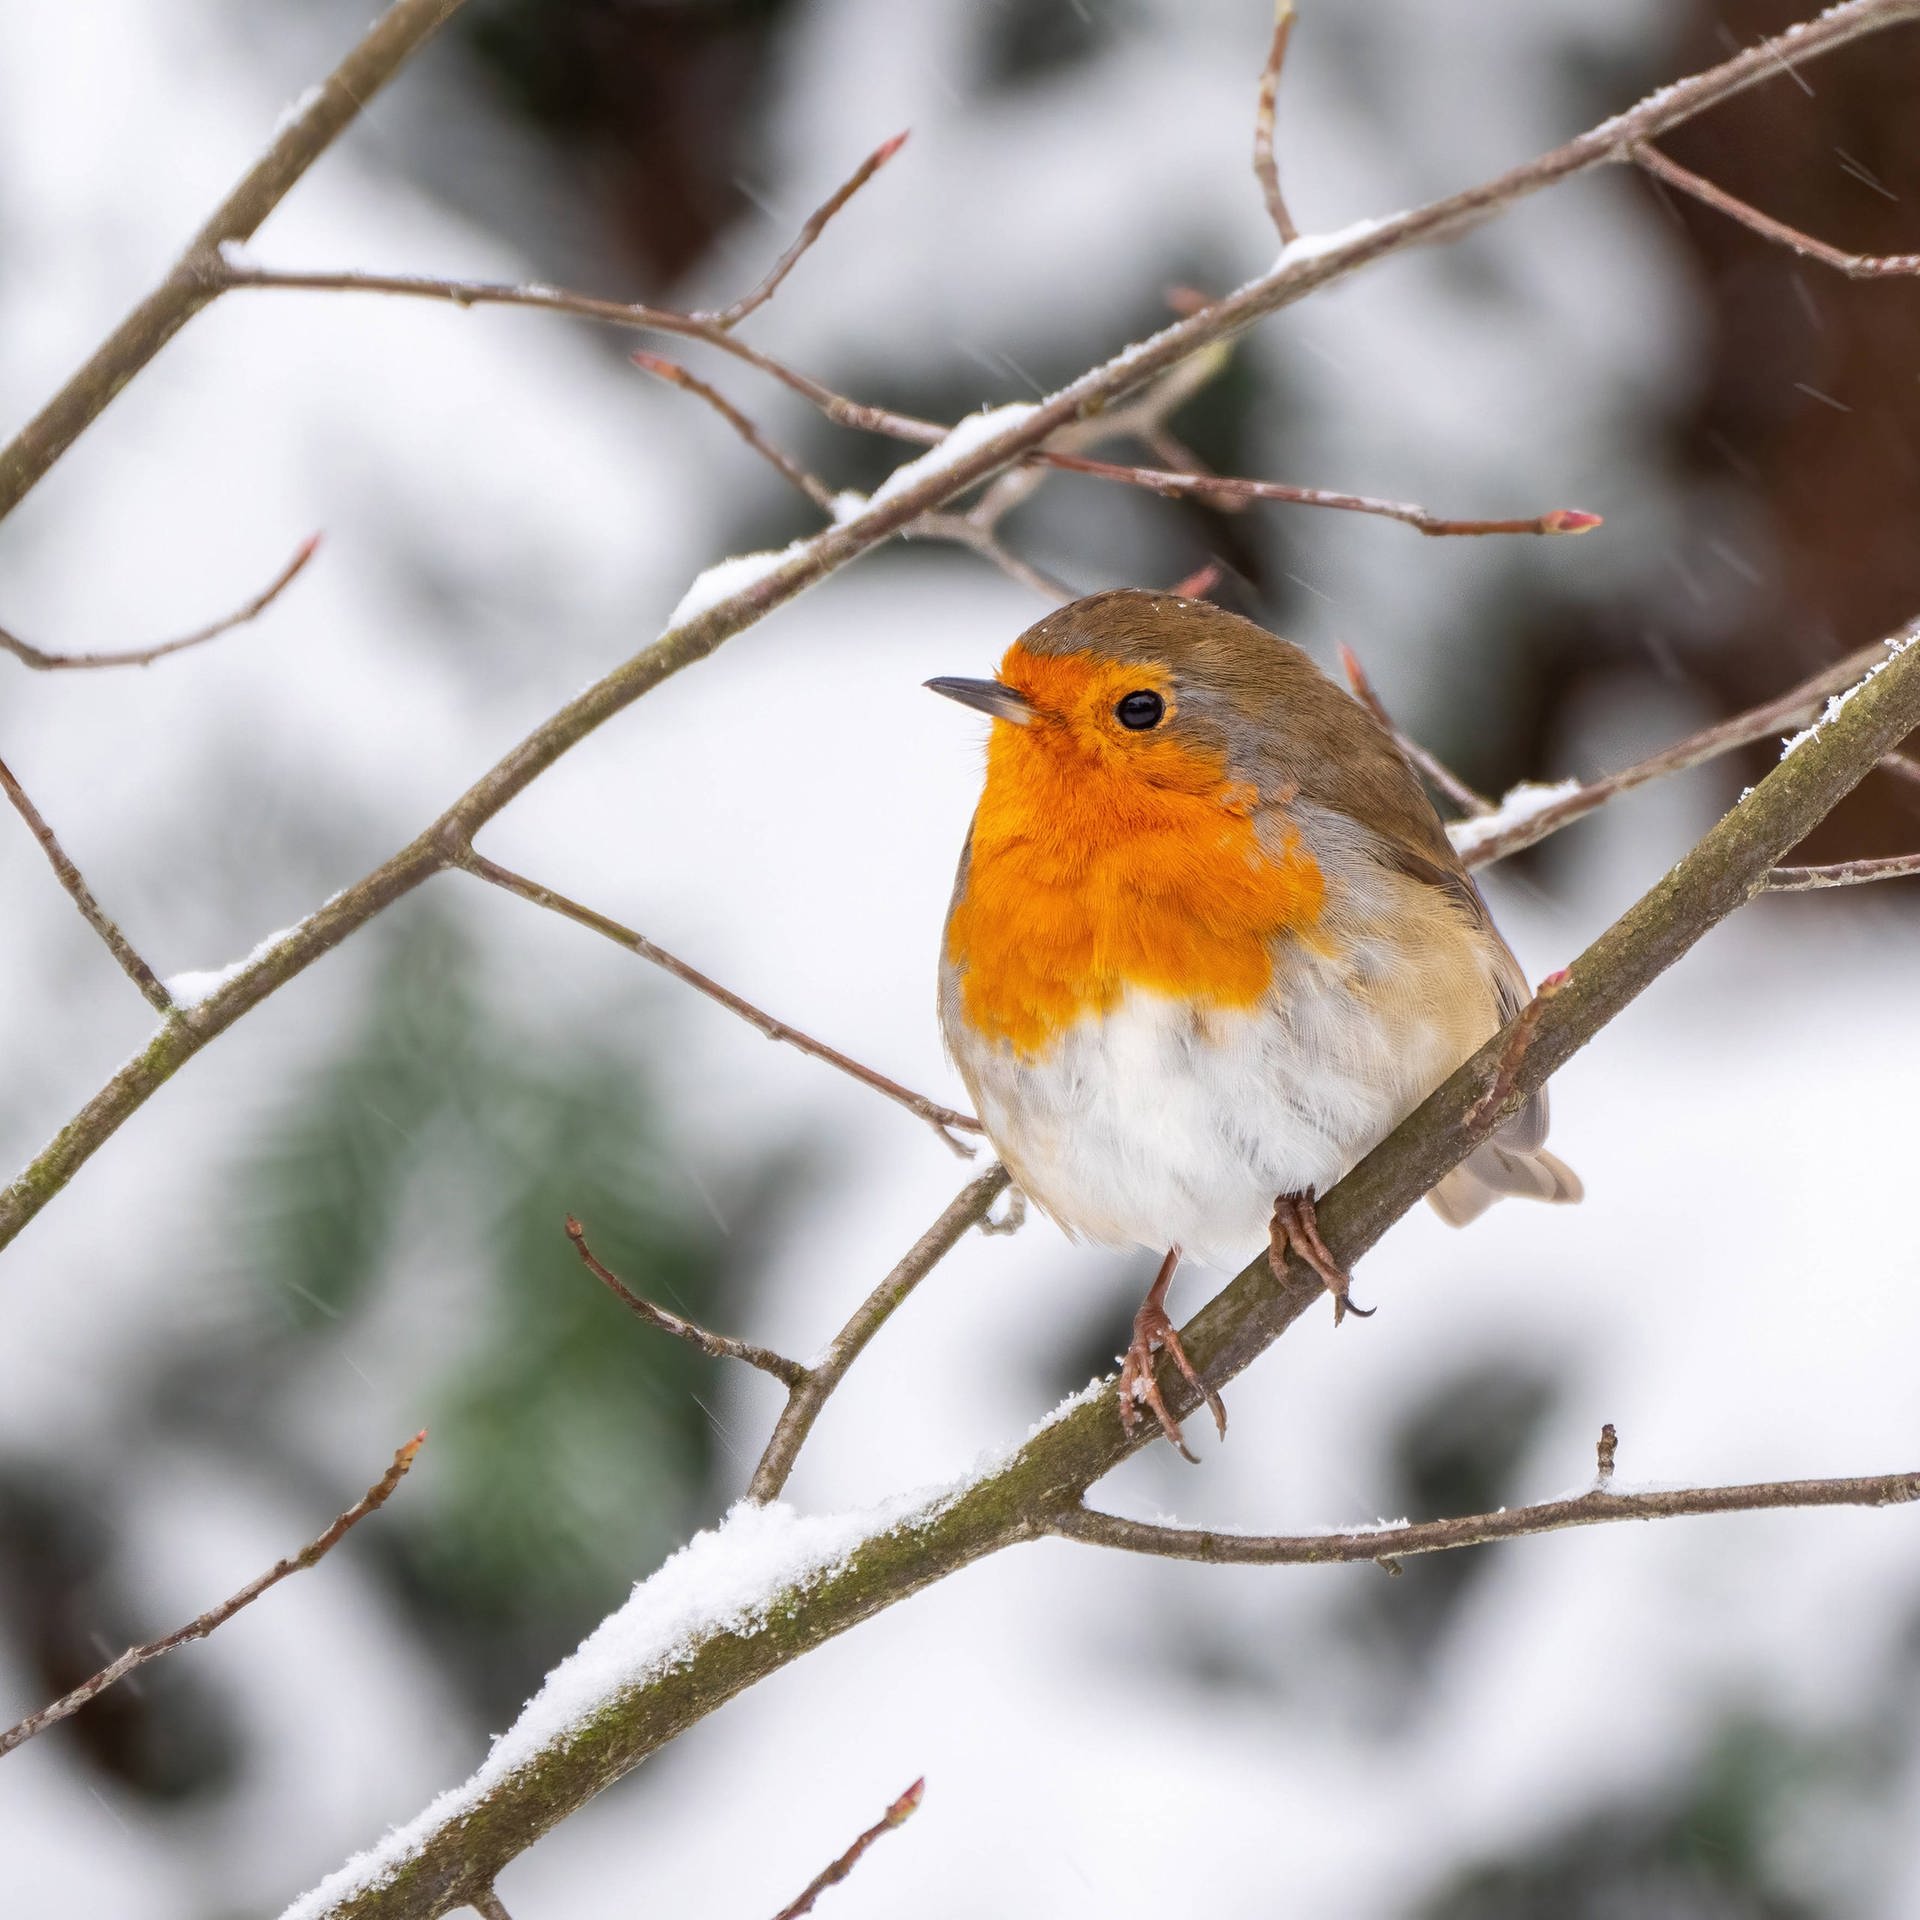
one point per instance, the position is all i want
(1492, 1171)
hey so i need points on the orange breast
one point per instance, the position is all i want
(1086, 879)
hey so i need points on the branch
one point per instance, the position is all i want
(816, 1383)
(231, 274)
(1856, 266)
(1265, 169)
(896, 1815)
(473, 1831)
(939, 1118)
(315, 1550)
(1217, 488)
(1847, 873)
(145, 656)
(717, 1346)
(1595, 1508)
(122, 949)
(977, 454)
(194, 281)
(784, 464)
(731, 316)
(1509, 829)
(1468, 799)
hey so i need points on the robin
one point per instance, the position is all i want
(1207, 945)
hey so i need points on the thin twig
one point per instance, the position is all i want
(788, 468)
(96, 916)
(1596, 1507)
(1265, 169)
(45, 662)
(1466, 798)
(941, 1119)
(1903, 766)
(717, 1346)
(1214, 487)
(1846, 873)
(488, 1905)
(896, 1815)
(317, 1549)
(1484, 840)
(1605, 1454)
(194, 281)
(811, 1392)
(964, 531)
(1856, 266)
(731, 316)
(229, 274)
(1519, 1038)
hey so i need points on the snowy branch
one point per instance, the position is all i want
(375, 1497)
(45, 662)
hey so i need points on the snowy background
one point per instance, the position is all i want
(342, 1222)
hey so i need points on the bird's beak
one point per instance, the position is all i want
(989, 696)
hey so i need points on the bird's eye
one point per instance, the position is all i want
(1139, 711)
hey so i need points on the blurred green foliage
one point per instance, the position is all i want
(572, 1448)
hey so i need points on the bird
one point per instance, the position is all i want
(1207, 945)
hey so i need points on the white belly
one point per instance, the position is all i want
(1157, 1127)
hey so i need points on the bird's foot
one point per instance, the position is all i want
(1151, 1328)
(1296, 1230)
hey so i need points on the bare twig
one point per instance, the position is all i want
(717, 1346)
(489, 1906)
(1856, 266)
(1604, 1455)
(1591, 1509)
(1466, 798)
(1845, 873)
(811, 1392)
(788, 468)
(228, 274)
(1519, 1037)
(1482, 841)
(1265, 169)
(198, 1628)
(965, 531)
(194, 280)
(731, 316)
(1903, 766)
(1213, 487)
(896, 1815)
(122, 949)
(698, 636)
(941, 1119)
(145, 656)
